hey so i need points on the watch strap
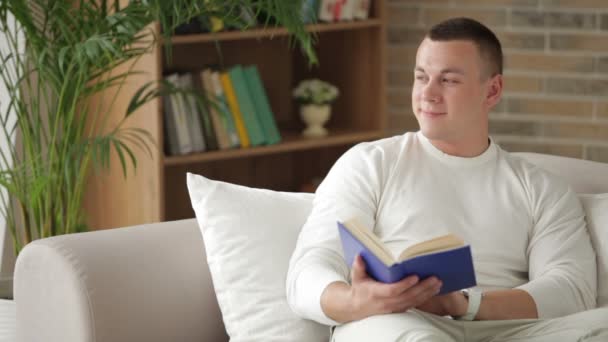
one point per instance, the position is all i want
(474, 298)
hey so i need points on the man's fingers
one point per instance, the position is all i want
(358, 271)
(414, 296)
(423, 291)
(432, 289)
(396, 289)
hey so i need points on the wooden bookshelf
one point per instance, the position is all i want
(292, 141)
(258, 33)
(351, 56)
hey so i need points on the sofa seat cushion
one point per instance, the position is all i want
(249, 236)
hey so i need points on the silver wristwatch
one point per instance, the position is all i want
(474, 297)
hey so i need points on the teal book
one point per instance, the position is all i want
(446, 257)
(261, 104)
(245, 102)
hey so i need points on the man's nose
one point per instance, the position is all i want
(430, 91)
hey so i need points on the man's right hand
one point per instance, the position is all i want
(366, 297)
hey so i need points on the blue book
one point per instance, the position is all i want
(310, 8)
(446, 257)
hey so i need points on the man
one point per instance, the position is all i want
(534, 262)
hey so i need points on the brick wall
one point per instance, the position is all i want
(556, 70)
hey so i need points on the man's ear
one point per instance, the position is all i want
(494, 90)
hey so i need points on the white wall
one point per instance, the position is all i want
(7, 258)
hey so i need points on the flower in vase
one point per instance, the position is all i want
(315, 91)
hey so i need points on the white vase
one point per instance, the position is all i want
(315, 116)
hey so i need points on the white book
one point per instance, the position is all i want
(348, 9)
(326, 10)
(217, 118)
(192, 114)
(179, 118)
(361, 9)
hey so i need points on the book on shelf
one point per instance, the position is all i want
(204, 124)
(348, 9)
(326, 10)
(170, 128)
(447, 257)
(361, 9)
(234, 109)
(310, 10)
(207, 127)
(218, 110)
(196, 123)
(343, 10)
(261, 105)
(245, 104)
(178, 115)
(222, 107)
(217, 118)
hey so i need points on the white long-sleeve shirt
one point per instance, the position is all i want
(525, 226)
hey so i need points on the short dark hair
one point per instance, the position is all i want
(472, 30)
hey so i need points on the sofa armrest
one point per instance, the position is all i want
(143, 283)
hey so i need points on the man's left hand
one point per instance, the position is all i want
(453, 304)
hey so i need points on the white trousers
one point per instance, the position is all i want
(417, 326)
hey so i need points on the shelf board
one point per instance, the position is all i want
(271, 32)
(290, 142)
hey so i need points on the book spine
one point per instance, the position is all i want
(310, 10)
(348, 10)
(234, 108)
(171, 142)
(219, 127)
(207, 127)
(181, 124)
(245, 103)
(224, 111)
(361, 10)
(261, 104)
(337, 9)
(192, 113)
(326, 10)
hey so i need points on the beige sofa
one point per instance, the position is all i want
(151, 282)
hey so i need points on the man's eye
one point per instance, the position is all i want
(420, 77)
(449, 81)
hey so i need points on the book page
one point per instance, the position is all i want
(369, 239)
(437, 244)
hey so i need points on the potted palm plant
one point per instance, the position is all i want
(60, 55)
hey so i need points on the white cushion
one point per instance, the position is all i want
(596, 211)
(249, 237)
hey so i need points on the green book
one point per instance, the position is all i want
(244, 99)
(261, 104)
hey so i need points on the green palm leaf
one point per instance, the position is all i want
(66, 57)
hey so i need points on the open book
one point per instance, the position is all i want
(446, 257)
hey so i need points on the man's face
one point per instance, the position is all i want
(453, 93)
